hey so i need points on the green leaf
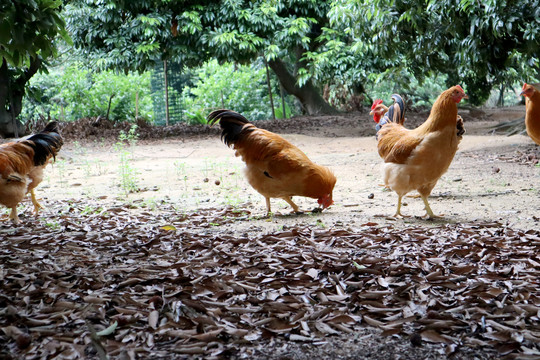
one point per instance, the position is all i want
(108, 331)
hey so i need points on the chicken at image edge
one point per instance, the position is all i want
(416, 159)
(532, 111)
(274, 167)
(21, 167)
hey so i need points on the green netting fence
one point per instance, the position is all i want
(176, 81)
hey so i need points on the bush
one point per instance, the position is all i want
(239, 88)
(72, 92)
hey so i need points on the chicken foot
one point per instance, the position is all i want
(398, 213)
(429, 212)
(37, 205)
(289, 201)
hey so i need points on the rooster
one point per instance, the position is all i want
(396, 112)
(416, 159)
(21, 167)
(532, 114)
(274, 167)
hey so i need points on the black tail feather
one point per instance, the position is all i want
(232, 124)
(396, 112)
(46, 143)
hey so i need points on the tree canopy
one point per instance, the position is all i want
(479, 44)
(307, 43)
(28, 30)
(133, 35)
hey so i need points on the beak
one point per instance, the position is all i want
(328, 204)
(522, 93)
(465, 96)
(371, 112)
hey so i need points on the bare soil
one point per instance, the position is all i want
(492, 180)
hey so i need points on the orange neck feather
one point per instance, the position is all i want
(443, 113)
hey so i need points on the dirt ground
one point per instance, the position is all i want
(485, 182)
(492, 179)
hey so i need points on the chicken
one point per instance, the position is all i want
(396, 111)
(274, 167)
(416, 159)
(21, 167)
(532, 111)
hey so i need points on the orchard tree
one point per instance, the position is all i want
(28, 29)
(133, 35)
(479, 44)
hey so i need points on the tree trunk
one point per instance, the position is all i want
(8, 108)
(309, 96)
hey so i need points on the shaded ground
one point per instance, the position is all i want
(188, 267)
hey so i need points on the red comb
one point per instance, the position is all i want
(524, 86)
(460, 88)
(375, 103)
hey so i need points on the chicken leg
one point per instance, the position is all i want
(13, 215)
(268, 208)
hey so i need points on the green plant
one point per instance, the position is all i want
(60, 166)
(195, 117)
(279, 111)
(131, 137)
(72, 92)
(179, 169)
(126, 172)
(241, 88)
(54, 225)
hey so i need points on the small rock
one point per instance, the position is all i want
(206, 180)
(217, 182)
(371, 196)
(416, 339)
(23, 341)
(495, 170)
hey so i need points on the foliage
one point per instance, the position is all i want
(28, 29)
(241, 88)
(28, 33)
(134, 35)
(72, 92)
(476, 43)
(196, 117)
(279, 111)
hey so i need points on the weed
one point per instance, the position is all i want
(79, 149)
(151, 204)
(180, 169)
(127, 173)
(54, 225)
(196, 117)
(60, 165)
(321, 224)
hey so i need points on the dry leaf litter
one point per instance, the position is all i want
(128, 283)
